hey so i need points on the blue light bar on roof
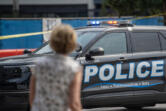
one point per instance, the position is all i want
(93, 23)
(111, 23)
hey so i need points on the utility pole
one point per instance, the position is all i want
(15, 8)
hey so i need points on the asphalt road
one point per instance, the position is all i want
(158, 107)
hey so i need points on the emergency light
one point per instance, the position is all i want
(93, 23)
(110, 23)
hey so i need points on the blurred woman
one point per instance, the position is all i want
(56, 79)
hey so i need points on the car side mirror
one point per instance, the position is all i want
(78, 48)
(97, 51)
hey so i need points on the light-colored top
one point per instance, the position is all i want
(53, 76)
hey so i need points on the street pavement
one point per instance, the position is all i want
(158, 107)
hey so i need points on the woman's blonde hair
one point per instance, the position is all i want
(63, 39)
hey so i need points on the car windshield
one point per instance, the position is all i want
(83, 39)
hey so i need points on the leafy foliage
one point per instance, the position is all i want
(131, 7)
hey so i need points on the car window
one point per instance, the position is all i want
(112, 43)
(83, 38)
(45, 49)
(145, 41)
(163, 41)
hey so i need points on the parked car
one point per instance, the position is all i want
(124, 65)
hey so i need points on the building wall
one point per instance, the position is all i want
(44, 2)
(48, 8)
(46, 11)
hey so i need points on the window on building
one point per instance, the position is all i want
(112, 43)
(146, 41)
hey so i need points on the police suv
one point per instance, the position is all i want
(124, 65)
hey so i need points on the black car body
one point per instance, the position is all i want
(123, 66)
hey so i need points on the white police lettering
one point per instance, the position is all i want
(106, 77)
(131, 70)
(90, 71)
(157, 66)
(119, 74)
(141, 70)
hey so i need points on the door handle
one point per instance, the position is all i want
(122, 59)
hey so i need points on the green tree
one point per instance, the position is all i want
(133, 7)
(164, 10)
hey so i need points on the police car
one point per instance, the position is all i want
(124, 65)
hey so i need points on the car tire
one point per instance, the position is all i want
(28, 107)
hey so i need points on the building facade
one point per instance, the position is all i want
(49, 8)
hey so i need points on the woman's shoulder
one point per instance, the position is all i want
(75, 65)
(41, 60)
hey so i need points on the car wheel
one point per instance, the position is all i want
(28, 107)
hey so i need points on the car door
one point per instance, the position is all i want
(149, 62)
(107, 73)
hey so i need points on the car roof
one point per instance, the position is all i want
(133, 28)
(92, 28)
(149, 28)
